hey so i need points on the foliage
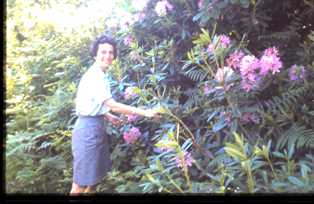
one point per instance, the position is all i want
(216, 135)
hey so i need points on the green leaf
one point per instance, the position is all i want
(150, 177)
(279, 155)
(276, 184)
(294, 180)
(238, 139)
(235, 153)
(197, 16)
(304, 170)
(291, 150)
(212, 115)
(166, 144)
(219, 125)
(159, 165)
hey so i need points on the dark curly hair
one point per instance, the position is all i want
(101, 40)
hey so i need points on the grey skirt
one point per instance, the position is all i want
(90, 149)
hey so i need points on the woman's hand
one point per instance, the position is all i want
(114, 119)
(151, 113)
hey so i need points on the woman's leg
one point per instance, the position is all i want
(90, 189)
(76, 189)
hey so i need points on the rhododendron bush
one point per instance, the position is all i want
(223, 91)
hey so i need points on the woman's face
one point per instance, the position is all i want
(105, 55)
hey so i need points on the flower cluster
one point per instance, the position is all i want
(132, 118)
(132, 135)
(234, 59)
(227, 116)
(129, 93)
(128, 40)
(249, 66)
(221, 41)
(128, 20)
(186, 161)
(296, 72)
(162, 7)
(270, 61)
(206, 88)
(224, 41)
(253, 69)
(249, 117)
(200, 4)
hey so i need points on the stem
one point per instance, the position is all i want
(158, 184)
(243, 129)
(174, 183)
(178, 131)
(185, 170)
(208, 67)
(187, 178)
(214, 30)
(288, 166)
(182, 123)
(205, 68)
(216, 60)
(272, 168)
(201, 169)
(250, 180)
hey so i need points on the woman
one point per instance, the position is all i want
(90, 148)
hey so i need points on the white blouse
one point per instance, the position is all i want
(93, 90)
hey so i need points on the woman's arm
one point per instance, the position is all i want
(128, 110)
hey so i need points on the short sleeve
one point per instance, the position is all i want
(93, 90)
(102, 90)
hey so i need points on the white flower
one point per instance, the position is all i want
(162, 7)
(223, 74)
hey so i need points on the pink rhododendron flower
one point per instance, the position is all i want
(248, 64)
(129, 93)
(200, 4)
(162, 7)
(132, 118)
(127, 20)
(249, 117)
(251, 69)
(141, 16)
(270, 61)
(296, 72)
(206, 88)
(247, 86)
(224, 41)
(132, 135)
(210, 49)
(234, 59)
(271, 51)
(187, 161)
(128, 40)
(227, 115)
